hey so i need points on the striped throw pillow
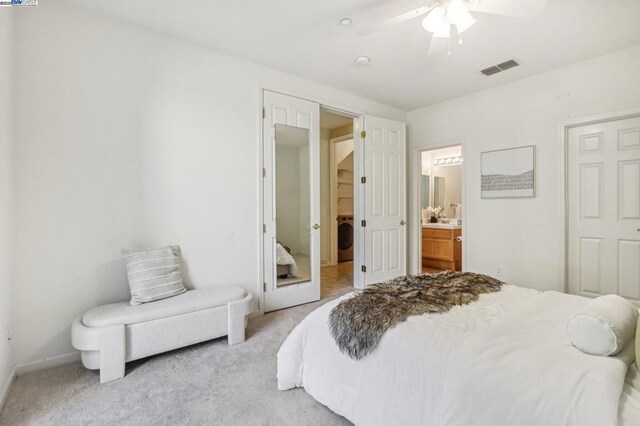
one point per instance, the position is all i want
(153, 274)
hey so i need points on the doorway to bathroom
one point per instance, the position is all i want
(440, 181)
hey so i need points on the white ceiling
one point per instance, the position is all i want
(303, 38)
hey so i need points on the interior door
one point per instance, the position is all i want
(291, 177)
(384, 151)
(604, 209)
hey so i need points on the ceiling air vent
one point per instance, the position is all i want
(507, 65)
(500, 67)
(491, 71)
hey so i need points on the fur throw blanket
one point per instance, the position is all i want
(357, 324)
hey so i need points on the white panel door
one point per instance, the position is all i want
(384, 149)
(291, 206)
(604, 209)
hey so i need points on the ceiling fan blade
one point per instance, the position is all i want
(438, 45)
(513, 8)
(398, 19)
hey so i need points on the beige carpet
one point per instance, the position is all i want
(303, 262)
(206, 384)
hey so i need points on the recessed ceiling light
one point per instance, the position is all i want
(345, 22)
(362, 60)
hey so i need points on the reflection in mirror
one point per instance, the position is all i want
(438, 191)
(293, 205)
(426, 189)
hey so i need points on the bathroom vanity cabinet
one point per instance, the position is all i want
(442, 247)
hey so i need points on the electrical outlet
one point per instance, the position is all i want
(498, 272)
(7, 335)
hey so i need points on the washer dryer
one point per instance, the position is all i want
(345, 238)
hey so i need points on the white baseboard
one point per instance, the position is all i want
(4, 391)
(28, 367)
(41, 364)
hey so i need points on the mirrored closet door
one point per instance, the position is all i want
(291, 244)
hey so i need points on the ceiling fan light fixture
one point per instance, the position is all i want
(463, 21)
(442, 17)
(443, 32)
(435, 19)
(458, 15)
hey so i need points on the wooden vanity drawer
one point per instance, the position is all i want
(444, 234)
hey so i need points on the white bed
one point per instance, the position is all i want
(503, 360)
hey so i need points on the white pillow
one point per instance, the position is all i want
(604, 326)
(153, 274)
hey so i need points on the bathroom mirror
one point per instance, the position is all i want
(438, 191)
(425, 191)
(292, 205)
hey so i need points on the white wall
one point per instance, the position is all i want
(342, 149)
(304, 218)
(5, 197)
(325, 199)
(293, 200)
(523, 236)
(288, 198)
(125, 137)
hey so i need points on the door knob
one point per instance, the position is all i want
(316, 226)
(402, 223)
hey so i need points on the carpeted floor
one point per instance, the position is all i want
(304, 271)
(205, 384)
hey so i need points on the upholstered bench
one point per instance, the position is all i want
(110, 335)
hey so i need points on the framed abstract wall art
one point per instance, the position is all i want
(508, 173)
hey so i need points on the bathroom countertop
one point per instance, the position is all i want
(441, 226)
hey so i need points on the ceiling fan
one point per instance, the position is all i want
(442, 16)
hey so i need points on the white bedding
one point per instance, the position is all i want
(629, 411)
(285, 259)
(503, 360)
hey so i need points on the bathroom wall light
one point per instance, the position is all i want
(447, 161)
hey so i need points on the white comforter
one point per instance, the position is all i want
(284, 258)
(503, 360)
